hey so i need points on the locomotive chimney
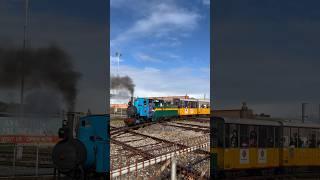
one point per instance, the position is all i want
(70, 119)
(132, 98)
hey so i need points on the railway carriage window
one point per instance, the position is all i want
(220, 129)
(262, 137)
(285, 140)
(293, 137)
(244, 136)
(318, 138)
(227, 135)
(311, 138)
(233, 135)
(276, 137)
(270, 137)
(176, 102)
(253, 136)
(303, 137)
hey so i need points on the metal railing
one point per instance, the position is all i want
(25, 160)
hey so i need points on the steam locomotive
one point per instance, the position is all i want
(87, 155)
(143, 110)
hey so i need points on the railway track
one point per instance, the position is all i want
(193, 127)
(115, 130)
(200, 119)
(133, 147)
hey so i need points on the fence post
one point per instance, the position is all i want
(173, 168)
(120, 166)
(14, 161)
(37, 159)
(136, 168)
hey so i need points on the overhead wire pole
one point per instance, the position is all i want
(118, 61)
(25, 41)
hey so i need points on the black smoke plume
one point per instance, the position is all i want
(36, 102)
(49, 67)
(125, 82)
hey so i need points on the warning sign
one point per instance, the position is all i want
(244, 156)
(262, 156)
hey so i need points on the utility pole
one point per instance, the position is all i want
(118, 55)
(25, 43)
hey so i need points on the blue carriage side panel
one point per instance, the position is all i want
(94, 133)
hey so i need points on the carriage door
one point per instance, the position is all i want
(216, 142)
(284, 146)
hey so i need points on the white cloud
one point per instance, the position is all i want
(169, 42)
(146, 58)
(151, 81)
(173, 56)
(162, 20)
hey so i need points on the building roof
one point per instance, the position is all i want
(119, 106)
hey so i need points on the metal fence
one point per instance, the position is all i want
(25, 160)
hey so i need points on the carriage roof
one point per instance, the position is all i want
(252, 121)
(195, 100)
(271, 122)
(300, 124)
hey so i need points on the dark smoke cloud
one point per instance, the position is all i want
(43, 67)
(36, 101)
(125, 82)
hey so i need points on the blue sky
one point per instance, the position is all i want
(164, 44)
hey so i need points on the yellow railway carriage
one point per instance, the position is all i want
(300, 145)
(194, 107)
(258, 145)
